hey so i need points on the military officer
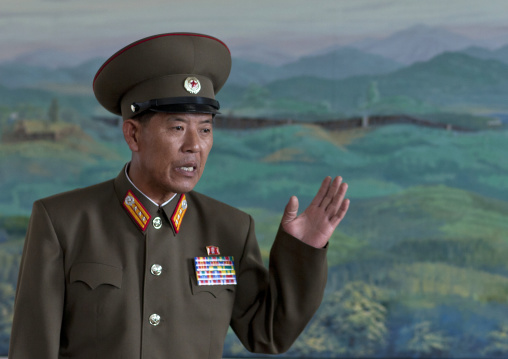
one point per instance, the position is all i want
(142, 266)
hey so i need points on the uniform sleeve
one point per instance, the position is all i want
(38, 307)
(273, 307)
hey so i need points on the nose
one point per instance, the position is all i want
(191, 142)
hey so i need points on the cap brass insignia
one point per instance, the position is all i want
(192, 85)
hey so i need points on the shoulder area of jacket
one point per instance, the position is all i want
(211, 204)
(95, 194)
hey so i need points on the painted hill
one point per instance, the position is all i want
(339, 64)
(500, 54)
(415, 44)
(21, 75)
(335, 83)
(448, 80)
(244, 72)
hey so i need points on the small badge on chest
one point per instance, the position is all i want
(212, 250)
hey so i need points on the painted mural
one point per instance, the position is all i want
(408, 101)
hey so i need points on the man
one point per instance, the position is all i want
(144, 267)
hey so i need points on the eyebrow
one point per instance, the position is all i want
(181, 119)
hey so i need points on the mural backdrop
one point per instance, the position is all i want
(407, 100)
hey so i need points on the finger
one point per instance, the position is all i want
(335, 220)
(321, 192)
(291, 210)
(332, 192)
(337, 200)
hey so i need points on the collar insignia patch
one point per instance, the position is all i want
(177, 217)
(215, 270)
(212, 250)
(136, 210)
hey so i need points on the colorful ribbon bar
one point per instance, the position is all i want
(215, 270)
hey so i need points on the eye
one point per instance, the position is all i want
(179, 128)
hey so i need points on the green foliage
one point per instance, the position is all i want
(426, 228)
(498, 343)
(257, 102)
(373, 95)
(54, 111)
(401, 104)
(15, 226)
(255, 96)
(465, 252)
(7, 293)
(49, 167)
(352, 323)
(423, 342)
(10, 256)
(464, 120)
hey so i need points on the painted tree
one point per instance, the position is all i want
(351, 323)
(373, 94)
(7, 291)
(54, 111)
(360, 320)
(498, 343)
(421, 341)
(256, 96)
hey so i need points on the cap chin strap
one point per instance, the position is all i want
(138, 107)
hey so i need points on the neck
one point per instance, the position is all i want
(159, 197)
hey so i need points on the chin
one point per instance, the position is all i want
(184, 188)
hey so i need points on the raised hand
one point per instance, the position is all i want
(317, 223)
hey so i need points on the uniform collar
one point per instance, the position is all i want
(139, 207)
(126, 170)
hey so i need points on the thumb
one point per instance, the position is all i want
(291, 211)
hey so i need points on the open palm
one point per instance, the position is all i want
(316, 224)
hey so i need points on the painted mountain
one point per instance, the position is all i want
(417, 269)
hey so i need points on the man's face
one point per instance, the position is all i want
(171, 154)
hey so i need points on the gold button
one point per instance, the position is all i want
(155, 319)
(156, 269)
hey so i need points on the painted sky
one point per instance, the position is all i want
(288, 28)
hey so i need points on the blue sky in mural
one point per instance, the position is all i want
(268, 31)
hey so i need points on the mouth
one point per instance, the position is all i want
(187, 169)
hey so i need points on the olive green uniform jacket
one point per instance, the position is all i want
(86, 288)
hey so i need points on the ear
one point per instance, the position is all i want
(131, 130)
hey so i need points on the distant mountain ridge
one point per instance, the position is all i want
(338, 80)
(406, 46)
(447, 79)
(341, 63)
(50, 58)
(18, 75)
(337, 64)
(415, 44)
(500, 54)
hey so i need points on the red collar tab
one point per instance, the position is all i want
(136, 210)
(179, 212)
